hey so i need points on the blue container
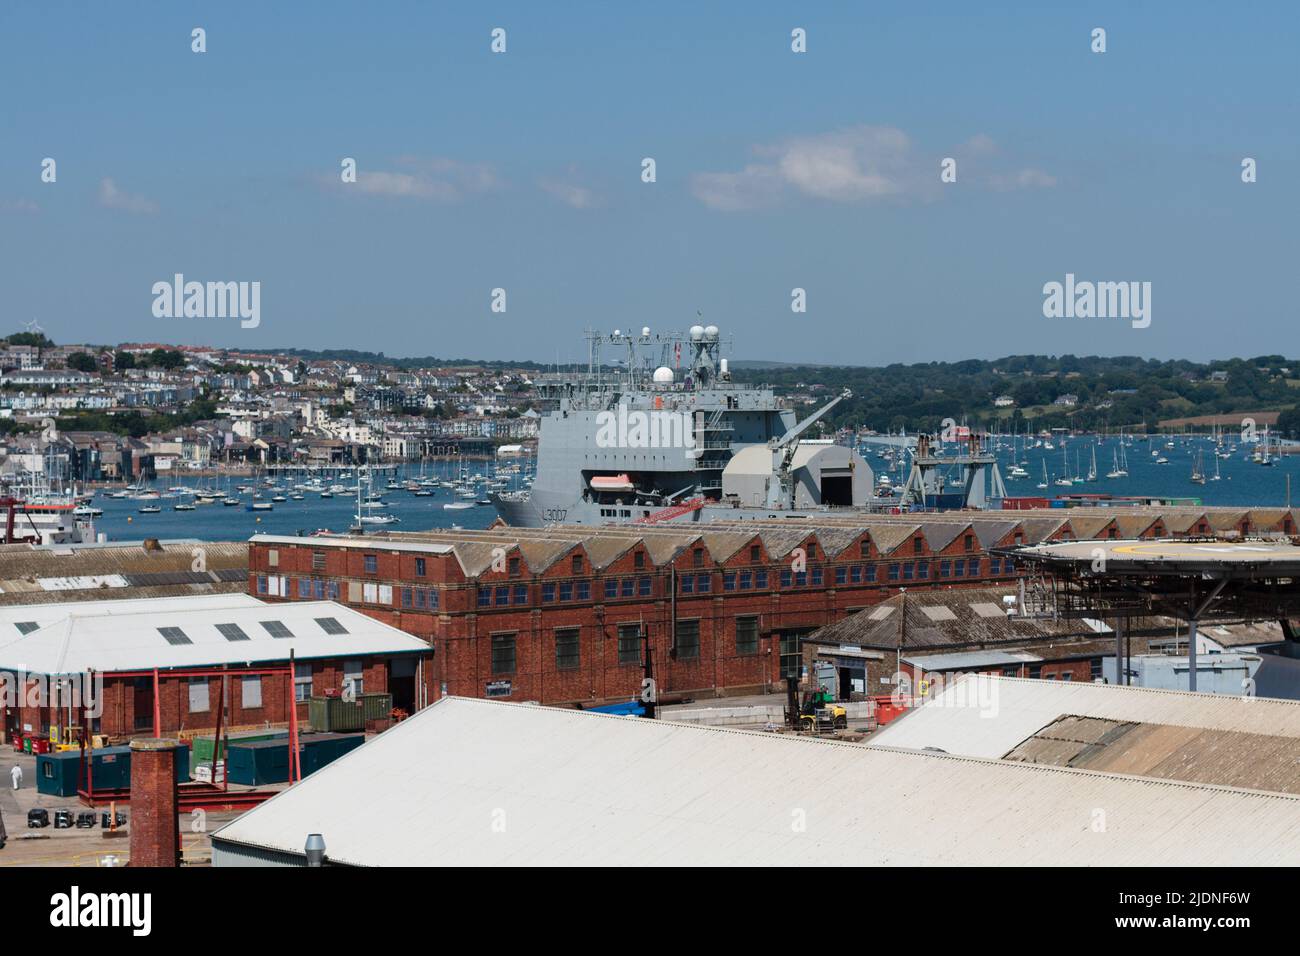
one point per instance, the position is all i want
(58, 774)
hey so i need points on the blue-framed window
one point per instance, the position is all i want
(502, 596)
(643, 585)
(728, 581)
(841, 575)
(584, 590)
(893, 572)
(407, 600)
(334, 590)
(418, 597)
(703, 583)
(687, 584)
(419, 567)
(261, 584)
(973, 568)
(909, 572)
(521, 593)
(760, 580)
(959, 568)
(566, 590)
(787, 576)
(746, 580)
(318, 589)
(432, 595)
(945, 568)
(801, 579)
(371, 563)
(817, 575)
(855, 573)
(627, 587)
(871, 573)
(995, 566)
(611, 587)
(923, 570)
(484, 597)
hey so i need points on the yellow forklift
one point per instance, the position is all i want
(820, 713)
(70, 738)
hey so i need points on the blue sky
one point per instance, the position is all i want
(775, 170)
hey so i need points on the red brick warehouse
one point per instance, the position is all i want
(556, 614)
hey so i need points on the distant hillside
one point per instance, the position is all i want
(1104, 392)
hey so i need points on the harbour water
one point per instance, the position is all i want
(1242, 483)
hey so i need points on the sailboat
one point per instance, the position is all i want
(1117, 471)
(1043, 483)
(1064, 481)
(1198, 471)
(368, 516)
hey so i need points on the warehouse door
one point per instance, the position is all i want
(401, 683)
(143, 703)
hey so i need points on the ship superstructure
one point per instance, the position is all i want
(659, 431)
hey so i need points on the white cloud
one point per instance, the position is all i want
(111, 197)
(1028, 178)
(860, 164)
(570, 193)
(436, 178)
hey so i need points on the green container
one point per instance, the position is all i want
(203, 746)
(332, 714)
(319, 750)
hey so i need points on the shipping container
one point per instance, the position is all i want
(264, 762)
(203, 746)
(58, 774)
(332, 714)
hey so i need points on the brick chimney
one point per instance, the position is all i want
(155, 829)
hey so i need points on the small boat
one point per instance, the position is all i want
(149, 509)
(87, 511)
(231, 502)
(612, 483)
(299, 496)
(379, 519)
(260, 506)
(458, 505)
(483, 501)
(423, 493)
(327, 494)
(279, 498)
(182, 506)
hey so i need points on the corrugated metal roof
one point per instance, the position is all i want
(962, 659)
(485, 783)
(117, 638)
(984, 716)
(1193, 754)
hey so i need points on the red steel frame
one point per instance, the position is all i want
(195, 796)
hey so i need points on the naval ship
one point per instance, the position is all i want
(667, 435)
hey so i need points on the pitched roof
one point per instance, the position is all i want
(574, 788)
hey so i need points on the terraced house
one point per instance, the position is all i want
(568, 614)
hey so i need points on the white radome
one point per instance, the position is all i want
(711, 332)
(697, 332)
(664, 375)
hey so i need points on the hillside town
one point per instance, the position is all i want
(143, 410)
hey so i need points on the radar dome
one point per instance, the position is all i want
(711, 332)
(663, 375)
(645, 331)
(697, 332)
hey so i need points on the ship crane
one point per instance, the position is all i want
(780, 492)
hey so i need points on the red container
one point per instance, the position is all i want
(40, 745)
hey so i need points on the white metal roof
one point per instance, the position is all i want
(11, 615)
(981, 715)
(476, 782)
(117, 639)
(352, 541)
(960, 659)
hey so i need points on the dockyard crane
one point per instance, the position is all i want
(780, 492)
